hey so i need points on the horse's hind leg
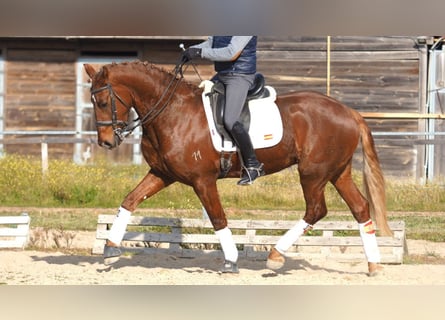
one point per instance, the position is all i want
(313, 190)
(360, 210)
(149, 185)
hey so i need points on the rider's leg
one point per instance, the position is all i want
(237, 86)
(252, 167)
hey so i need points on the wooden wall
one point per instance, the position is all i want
(367, 73)
(40, 94)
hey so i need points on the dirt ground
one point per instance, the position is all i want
(75, 265)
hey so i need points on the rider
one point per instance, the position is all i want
(234, 58)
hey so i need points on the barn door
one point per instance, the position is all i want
(435, 155)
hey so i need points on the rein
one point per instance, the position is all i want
(121, 128)
(154, 112)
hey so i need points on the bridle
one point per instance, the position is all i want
(121, 128)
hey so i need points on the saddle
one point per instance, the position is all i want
(260, 116)
(217, 101)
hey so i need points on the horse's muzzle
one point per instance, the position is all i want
(111, 143)
(107, 144)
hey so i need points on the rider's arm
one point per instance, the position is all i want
(229, 53)
(205, 44)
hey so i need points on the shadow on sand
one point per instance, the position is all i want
(201, 263)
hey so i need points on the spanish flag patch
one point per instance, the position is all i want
(268, 136)
(369, 227)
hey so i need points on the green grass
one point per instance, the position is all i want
(424, 227)
(104, 185)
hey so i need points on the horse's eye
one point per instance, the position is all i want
(102, 105)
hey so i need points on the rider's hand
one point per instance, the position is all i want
(191, 53)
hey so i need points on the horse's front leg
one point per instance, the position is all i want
(149, 185)
(207, 192)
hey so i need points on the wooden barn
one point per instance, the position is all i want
(396, 82)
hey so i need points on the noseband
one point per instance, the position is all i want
(120, 128)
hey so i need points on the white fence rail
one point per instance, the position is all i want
(255, 238)
(14, 231)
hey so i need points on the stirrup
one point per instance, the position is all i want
(250, 174)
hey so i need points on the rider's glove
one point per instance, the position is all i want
(191, 53)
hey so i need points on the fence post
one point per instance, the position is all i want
(328, 66)
(44, 148)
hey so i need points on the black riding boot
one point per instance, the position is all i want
(252, 168)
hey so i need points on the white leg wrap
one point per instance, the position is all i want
(119, 226)
(291, 236)
(367, 233)
(228, 245)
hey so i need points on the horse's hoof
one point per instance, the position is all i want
(111, 255)
(374, 269)
(275, 260)
(229, 267)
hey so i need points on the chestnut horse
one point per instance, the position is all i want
(320, 136)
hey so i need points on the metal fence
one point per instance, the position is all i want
(433, 141)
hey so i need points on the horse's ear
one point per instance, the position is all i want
(90, 70)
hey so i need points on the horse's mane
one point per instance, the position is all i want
(149, 68)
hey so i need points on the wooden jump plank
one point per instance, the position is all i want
(13, 232)
(248, 240)
(179, 235)
(14, 219)
(16, 230)
(238, 224)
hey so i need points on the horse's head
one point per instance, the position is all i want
(111, 107)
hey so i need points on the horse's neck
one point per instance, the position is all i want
(149, 79)
(155, 92)
(149, 88)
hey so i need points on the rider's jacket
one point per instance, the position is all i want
(245, 63)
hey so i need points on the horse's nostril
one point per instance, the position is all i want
(106, 144)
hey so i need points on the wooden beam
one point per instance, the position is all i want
(324, 243)
(402, 115)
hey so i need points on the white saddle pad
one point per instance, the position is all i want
(266, 127)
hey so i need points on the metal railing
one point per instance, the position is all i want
(45, 137)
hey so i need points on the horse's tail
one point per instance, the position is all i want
(373, 181)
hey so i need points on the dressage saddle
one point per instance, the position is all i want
(217, 102)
